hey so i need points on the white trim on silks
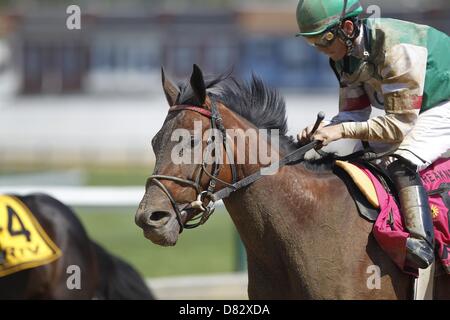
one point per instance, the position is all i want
(430, 137)
(424, 284)
(407, 62)
(353, 92)
(394, 87)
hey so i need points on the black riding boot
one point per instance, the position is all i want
(416, 211)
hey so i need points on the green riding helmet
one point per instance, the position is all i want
(316, 16)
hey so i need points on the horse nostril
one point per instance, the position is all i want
(159, 215)
(153, 219)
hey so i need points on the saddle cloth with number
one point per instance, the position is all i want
(389, 229)
(23, 242)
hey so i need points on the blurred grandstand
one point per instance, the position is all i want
(111, 67)
(121, 48)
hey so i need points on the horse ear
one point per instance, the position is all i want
(198, 84)
(170, 90)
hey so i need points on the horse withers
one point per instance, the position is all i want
(303, 235)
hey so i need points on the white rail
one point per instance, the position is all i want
(230, 286)
(86, 196)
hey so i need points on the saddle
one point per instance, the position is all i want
(376, 198)
(361, 187)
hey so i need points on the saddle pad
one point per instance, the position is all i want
(362, 181)
(389, 230)
(23, 242)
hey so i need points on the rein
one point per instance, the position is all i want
(210, 194)
(294, 156)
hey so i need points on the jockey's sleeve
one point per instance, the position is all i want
(354, 105)
(388, 128)
(351, 116)
(403, 79)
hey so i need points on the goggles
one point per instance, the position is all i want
(323, 40)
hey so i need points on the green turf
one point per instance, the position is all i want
(207, 249)
(118, 176)
(95, 175)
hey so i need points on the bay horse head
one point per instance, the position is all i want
(180, 196)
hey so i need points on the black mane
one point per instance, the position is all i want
(255, 102)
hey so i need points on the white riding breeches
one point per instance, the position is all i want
(429, 139)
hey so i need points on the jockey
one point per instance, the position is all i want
(398, 66)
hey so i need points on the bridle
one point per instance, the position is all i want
(202, 195)
(205, 211)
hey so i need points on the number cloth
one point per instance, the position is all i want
(23, 242)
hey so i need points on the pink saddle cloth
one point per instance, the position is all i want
(389, 229)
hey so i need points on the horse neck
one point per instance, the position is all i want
(277, 217)
(233, 121)
(256, 211)
(275, 220)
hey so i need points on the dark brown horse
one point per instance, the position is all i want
(301, 229)
(102, 275)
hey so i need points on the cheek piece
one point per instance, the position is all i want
(349, 40)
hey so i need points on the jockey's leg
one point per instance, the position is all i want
(427, 141)
(416, 211)
(430, 137)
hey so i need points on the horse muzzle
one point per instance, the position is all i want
(159, 222)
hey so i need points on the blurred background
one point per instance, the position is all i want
(78, 109)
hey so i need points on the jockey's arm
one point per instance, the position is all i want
(354, 105)
(388, 128)
(403, 78)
